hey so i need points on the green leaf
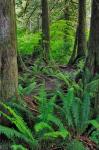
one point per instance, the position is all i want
(95, 123)
(42, 125)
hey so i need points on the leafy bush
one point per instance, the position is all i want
(28, 42)
(62, 38)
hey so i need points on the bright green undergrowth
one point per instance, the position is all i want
(61, 45)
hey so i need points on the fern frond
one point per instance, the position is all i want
(18, 121)
(18, 147)
(67, 105)
(76, 112)
(85, 114)
(42, 125)
(11, 134)
(95, 123)
(76, 145)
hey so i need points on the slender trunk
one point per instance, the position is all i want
(73, 56)
(45, 30)
(66, 18)
(8, 56)
(82, 43)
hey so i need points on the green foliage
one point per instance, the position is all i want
(12, 133)
(75, 145)
(23, 132)
(76, 111)
(53, 122)
(95, 123)
(47, 118)
(18, 147)
(61, 41)
(28, 90)
(28, 42)
(62, 38)
(95, 137)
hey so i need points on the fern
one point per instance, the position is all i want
(19, 123)
(76, 111)
(95, 137)
(75, 145)
(12, 134)
(42, 125)
(56, 134)
(46, 106)
(67, 105)
(85, 111)
(22, 107)
(18, 147)
(28, 90)
(47, 118)
(95, 123)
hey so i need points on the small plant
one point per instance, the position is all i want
(76, 111)
(47, 118)
(21, 132)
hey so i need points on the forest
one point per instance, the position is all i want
(49, 74)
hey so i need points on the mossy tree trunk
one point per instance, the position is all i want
(93, 47)
(79, 50)
(73, 56)
(45, 30)
(92, 62)
(8, 55)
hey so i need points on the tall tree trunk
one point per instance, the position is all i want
(8, 56)
(82, 43)
(93, 48)
(73, 56)
(66, 18)
(45, 30)
(92, 62)
(80, 38)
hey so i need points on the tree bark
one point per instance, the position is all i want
(93, 48)
(82, 43)
(92, 62)
(45, 30)
(73, 56)
(8, 55)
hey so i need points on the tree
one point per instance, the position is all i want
(80, 48)
(45, 30)
(82, 43)
(93, 48)
(92, 62)
(73, 56)
(8, 55)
